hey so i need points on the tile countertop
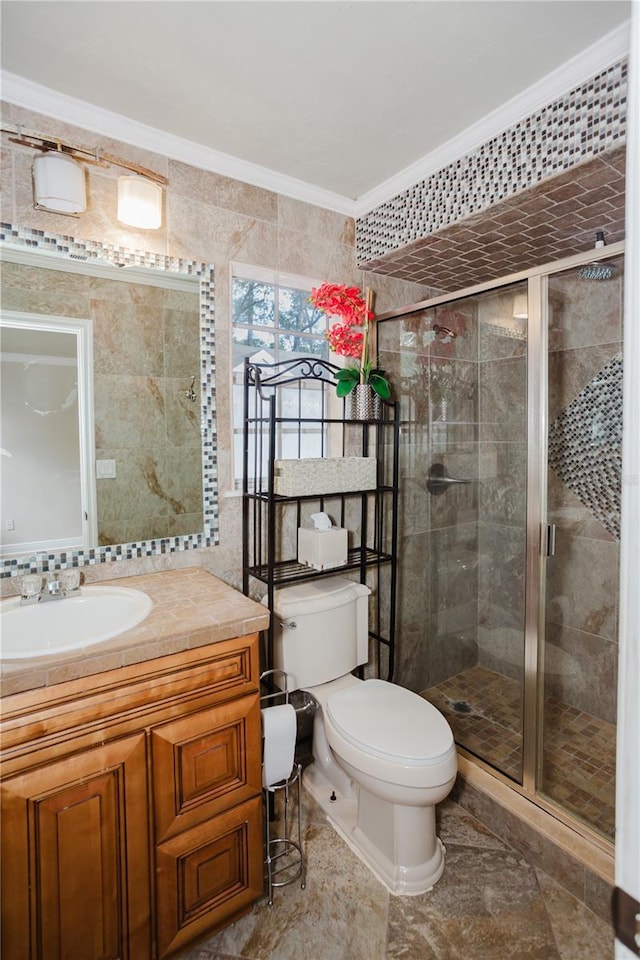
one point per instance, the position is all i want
(190, 609)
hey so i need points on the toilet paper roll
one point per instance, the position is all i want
(279, 732)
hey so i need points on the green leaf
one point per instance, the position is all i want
(380, 385)
(345, 387)
(348, 373)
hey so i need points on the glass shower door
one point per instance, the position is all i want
(459, 371)
(576, 767)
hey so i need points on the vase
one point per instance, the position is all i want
(363, 403)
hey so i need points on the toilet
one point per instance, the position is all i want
(383, 756)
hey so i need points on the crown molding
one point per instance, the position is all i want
(33, 96)
(591, 61)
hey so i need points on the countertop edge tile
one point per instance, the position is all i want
(184, 617)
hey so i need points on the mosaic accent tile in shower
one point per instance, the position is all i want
(584, 123)
(92, 251)
(585, 446)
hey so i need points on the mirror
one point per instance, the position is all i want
(115, 347)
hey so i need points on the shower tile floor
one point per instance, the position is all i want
(490, 904)
(484, 711)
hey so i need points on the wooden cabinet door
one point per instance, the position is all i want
(207, 875)
(75, 882)
(204, 763)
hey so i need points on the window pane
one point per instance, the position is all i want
(247, 343)
(296, 313)
(301, 402)
(254, 302)
(297, 346)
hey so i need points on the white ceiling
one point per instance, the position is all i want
(340, 96)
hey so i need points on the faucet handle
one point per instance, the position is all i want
(31, 586)
(70, 580)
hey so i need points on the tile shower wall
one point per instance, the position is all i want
(585, 418)
(437, 385)
(463, 405)
(208, 218)
(502, 375)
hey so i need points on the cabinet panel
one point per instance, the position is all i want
(208, 874)
(204, 763)
(74, 882)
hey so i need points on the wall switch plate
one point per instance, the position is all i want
(105, 469)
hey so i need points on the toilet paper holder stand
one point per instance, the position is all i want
(284, 857)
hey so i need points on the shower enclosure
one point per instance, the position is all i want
(511, 409)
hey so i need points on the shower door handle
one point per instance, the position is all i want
(438, 481)
(548, 540)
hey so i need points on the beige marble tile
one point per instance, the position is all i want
(306, 256)
(129, 411)
(221, 191)
(319, 223)
(216, 235)
(323, 921)
(487, 900)
(578, 932)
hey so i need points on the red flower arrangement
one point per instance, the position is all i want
(350, 336)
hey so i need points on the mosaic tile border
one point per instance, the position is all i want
(578, 126)
(87, 250)
(585, 446)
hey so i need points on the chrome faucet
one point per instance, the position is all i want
(36, 589)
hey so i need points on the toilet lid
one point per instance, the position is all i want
(390, 722)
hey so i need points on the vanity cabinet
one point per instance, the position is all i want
(132, 807)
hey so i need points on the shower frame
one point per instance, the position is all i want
(536, 525)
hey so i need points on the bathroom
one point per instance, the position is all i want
(217, 219)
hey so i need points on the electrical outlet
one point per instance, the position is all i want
(11, 524)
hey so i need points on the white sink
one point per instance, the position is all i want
(56, 626)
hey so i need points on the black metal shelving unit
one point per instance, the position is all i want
(280, 414)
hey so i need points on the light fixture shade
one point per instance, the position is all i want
(59, 184)
(139, 203)
(520, 306)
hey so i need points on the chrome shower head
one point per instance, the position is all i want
(597, 271)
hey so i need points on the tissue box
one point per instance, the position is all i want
(322, 549)
(324, 475)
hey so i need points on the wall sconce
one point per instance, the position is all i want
(520, 306)
(59, 180)
(139, 202)
(59, 184)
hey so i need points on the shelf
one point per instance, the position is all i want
(265, 497)
(270, 521)
(290, 571)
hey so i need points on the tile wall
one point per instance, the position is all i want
(211, 219)
(585, 123)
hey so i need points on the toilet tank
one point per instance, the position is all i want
(321, 630)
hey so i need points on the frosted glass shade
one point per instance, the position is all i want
(139, 203)
(520, 306)
(59, 184)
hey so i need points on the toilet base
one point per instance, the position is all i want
(343, 813)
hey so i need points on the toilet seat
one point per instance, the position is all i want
(391, 723)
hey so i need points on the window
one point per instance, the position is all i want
(272, 320)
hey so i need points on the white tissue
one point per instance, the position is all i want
(321, 521)
(279, 732)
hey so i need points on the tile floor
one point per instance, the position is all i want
(579, 749)
(490, 904)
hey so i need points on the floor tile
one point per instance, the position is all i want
(578, 932)
(490, 904)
